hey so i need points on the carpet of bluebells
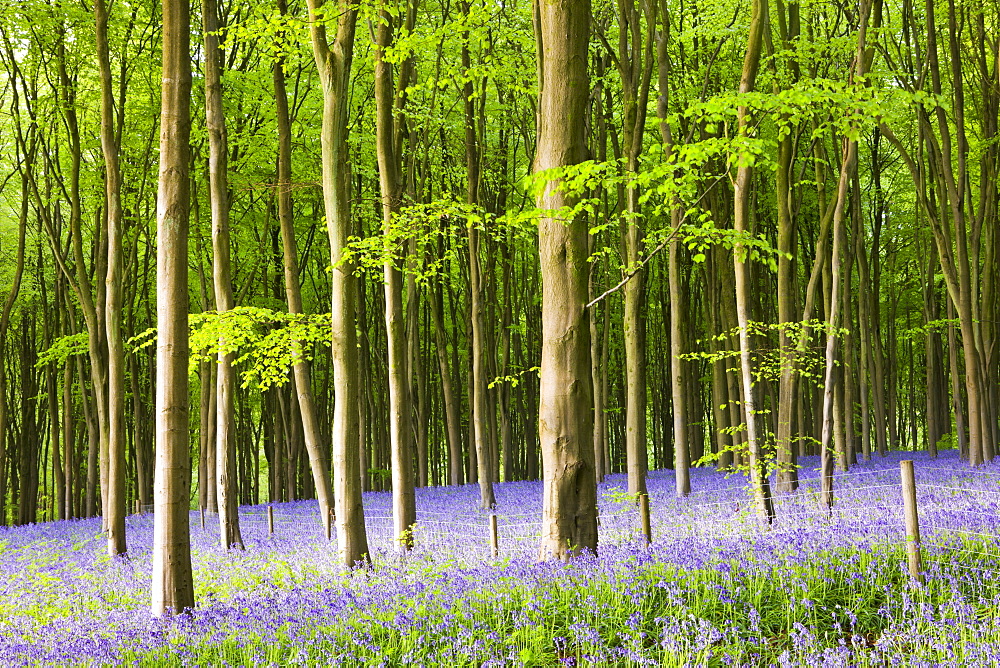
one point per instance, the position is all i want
(714, 588)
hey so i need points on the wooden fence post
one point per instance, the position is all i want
(647, 530)
(912, 519)
(270, 520)
(494, 537)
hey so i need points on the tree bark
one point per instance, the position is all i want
(334, 65)
(635, 66)
(173, 586)
(848, 162)
(478, 393)
(318, 463)
(741, 217)
(404, 512)
(225, 381)
(115, 507)
(565, 413)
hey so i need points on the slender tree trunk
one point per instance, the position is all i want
(635, 65)
(91, 304)
(864, 330)
(961, 435)
(758, 476)
(59, 480)
(452, 422)
(173, 586)
(225, 387)
(334, 65)
(504, 391)
(936, 392)
(682, 446)
(478, 393)
(720, 397)
(849, 156)
(400, 434)
(143, 470)
(678, 384)
(8, 306)
(115, 508)
(787, 478)
(318, 463)
(597, 371)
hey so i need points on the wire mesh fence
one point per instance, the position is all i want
(957, 523)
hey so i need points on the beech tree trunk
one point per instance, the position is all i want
(833, 384)
(635, 66)
(334, 65)
(318, 463)
(400, 427)
(114, 510)
(741, 214)
(173, 586)
(8, 305)
(565, 412)
(222, 281)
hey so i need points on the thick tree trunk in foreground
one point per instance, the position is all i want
(173, 588)
(565, 412)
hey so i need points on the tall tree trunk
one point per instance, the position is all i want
(26, 162)
(400, 434)
(635, 66)
(452, 421)
(334, 65)
(69, 437)
(504, 390)
(222, 281)
(741, 261)
(115, 508)
(864, 328)
(848, 163)
(318, 463)
(936, 393)
(91, 304)
(787, 477)
(565, 412)
(478, 393)
(173, 586)
(597, 372)
(961, 435)
(678, 377)
(59, 480)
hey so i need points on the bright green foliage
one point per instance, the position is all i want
(266, 343)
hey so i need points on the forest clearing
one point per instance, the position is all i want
(713, 588)
(499, 332)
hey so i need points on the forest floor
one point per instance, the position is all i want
(714, 588)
